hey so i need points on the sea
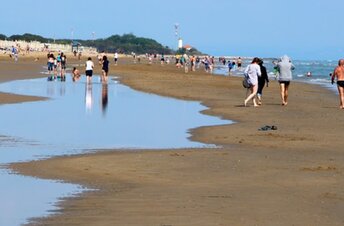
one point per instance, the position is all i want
(308, 71)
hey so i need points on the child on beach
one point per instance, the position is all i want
(76, 74)
(15, 53)
(231, 65)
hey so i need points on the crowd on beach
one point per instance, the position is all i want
(15, 50)
(255, 73)
(208, 62)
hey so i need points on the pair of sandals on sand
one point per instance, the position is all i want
(266, 128)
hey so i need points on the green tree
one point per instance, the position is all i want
(3, 37)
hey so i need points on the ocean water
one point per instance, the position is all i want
(320, 70)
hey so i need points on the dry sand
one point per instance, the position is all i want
(292, 176)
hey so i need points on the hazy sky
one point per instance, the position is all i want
(303, 29)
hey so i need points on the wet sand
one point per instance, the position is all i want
(23, 69)
(292, 176)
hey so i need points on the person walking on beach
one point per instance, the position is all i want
(186, 62)
(231, 65)
(55, 68)
(193, 63)
(58, 60)
(253, 71)
(105, 70)
(284, 68)
(261, 81)
(89, 69)
(239, 63)
(116, 58)
(50, 63)
(339, 75)
(63, 66)
(162, 59)
(15, 53)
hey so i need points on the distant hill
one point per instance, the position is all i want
(2, 37)
(126, 43)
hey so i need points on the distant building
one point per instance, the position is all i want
(187, 47)
(76, 46)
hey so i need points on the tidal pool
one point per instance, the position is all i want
(76, 118)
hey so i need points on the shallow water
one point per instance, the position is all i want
(80, 116)
(320, 70)
(24, 197)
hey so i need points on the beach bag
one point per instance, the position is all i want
(245, 83)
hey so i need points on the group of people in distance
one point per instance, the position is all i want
(257, 77)
(89, 70)
(255, 72)
(57, 65)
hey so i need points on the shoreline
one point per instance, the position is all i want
(196, 186)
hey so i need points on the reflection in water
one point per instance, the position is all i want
(130, 115)
(88, 97)
(56, 86)
(62, 89)
(104, 98)
(133, 120)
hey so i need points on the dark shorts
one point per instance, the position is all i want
(89, 73)
(286, 83)
(340, 83)
(63, 66)
(50, 66)
(105, 69)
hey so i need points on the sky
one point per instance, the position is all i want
(302, 29)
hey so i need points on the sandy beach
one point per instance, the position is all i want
(291, 176)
